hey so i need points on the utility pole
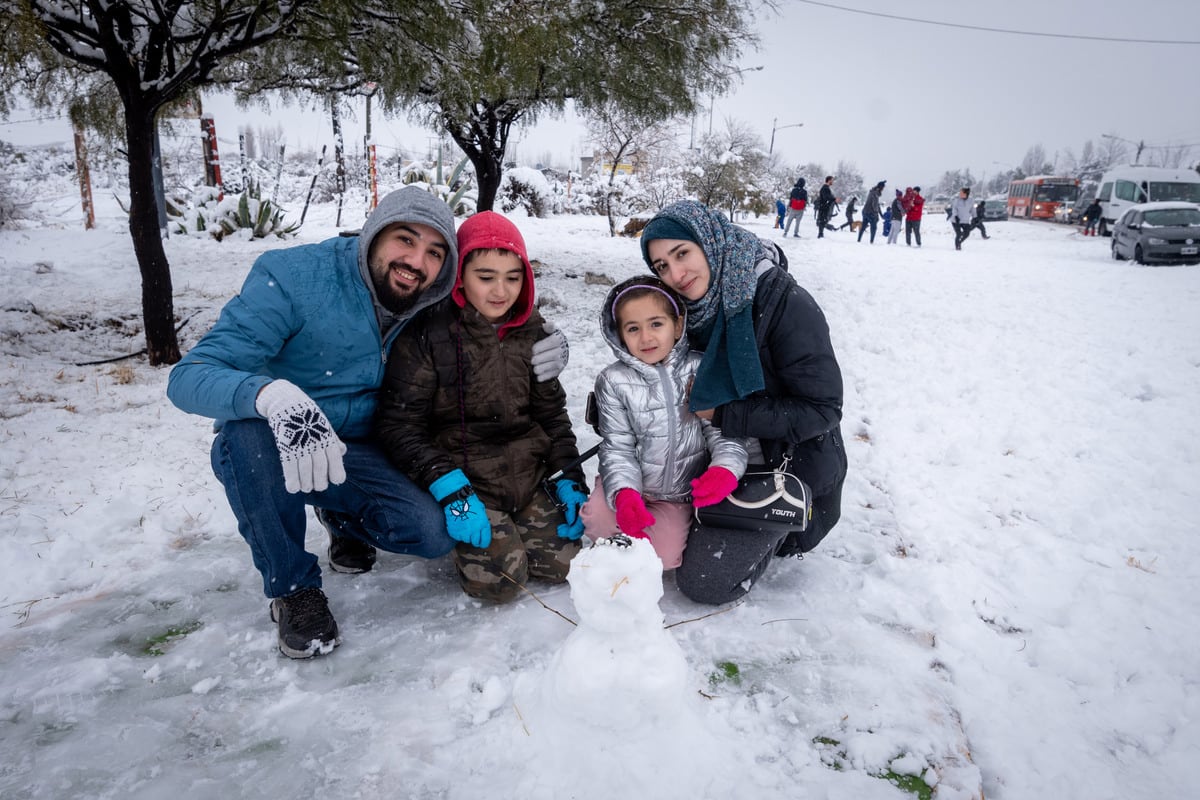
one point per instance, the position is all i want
(711, 97)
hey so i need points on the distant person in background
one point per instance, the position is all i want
(912, 220)
(850, 204)
(825, 203)
(961, 214)
(797, 201)
(1091, 218)
(977, 220)
(780, 211)
(872, 211)
(898, 212)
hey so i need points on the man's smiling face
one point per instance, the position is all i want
(404, 260)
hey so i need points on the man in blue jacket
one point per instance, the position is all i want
(290, 372)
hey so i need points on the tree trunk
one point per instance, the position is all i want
(488, 172)
(158, 303)
(483, 139)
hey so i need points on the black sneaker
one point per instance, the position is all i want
(346, 553)
(306, 628)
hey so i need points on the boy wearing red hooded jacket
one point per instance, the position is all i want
(463, 415)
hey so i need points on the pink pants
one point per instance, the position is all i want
(668, 534)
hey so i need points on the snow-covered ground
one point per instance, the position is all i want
(1009, 603)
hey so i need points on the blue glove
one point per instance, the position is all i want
(570, 497)
(466, 518)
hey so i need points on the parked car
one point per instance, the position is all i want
(1071, 213)
(1158, 233)
(995, 208)
(937, 205)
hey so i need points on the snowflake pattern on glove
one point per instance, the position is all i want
(304, 430)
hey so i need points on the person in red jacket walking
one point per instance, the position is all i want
(912, 220)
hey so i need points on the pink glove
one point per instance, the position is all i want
(713, 486)
(632, 516)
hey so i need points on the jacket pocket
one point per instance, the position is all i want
(821, 461)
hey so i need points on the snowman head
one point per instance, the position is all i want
(616, 585)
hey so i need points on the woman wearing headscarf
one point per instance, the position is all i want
(768, 373)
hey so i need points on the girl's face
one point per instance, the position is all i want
(492, 281)
(680, 264)
(647, 329)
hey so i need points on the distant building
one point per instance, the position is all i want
(603, 162)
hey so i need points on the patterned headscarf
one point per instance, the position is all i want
(721, 322)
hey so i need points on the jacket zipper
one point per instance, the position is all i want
(672, 428)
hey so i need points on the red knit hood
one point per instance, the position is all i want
(487, 230)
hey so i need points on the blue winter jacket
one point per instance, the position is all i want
(304, 314)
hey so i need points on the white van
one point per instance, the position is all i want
(1122, 187)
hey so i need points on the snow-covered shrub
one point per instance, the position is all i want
(27, 176)
(527, 188)
(206, 213)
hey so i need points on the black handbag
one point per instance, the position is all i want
(765, 499)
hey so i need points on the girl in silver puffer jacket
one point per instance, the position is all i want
(655, 455)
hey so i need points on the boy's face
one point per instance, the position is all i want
(682, 265)
(492, 281)
(647, 330)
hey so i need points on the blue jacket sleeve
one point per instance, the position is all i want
(222, 375)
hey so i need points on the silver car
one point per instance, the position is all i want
(1158, 233)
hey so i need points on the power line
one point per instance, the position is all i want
(32, 119)
(998, 30)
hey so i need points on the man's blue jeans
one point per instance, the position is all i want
(382, 506)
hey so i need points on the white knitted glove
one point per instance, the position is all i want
(310, 451)
(550, 354)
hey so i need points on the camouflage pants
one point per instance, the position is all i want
(524, 545)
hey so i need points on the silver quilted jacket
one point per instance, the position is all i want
(651, 442)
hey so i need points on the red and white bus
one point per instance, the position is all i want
(1038, 197)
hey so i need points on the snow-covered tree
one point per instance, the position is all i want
(1035, 162)
(730, 171)
(952, 181)
(623, 136)
(152, 52)
(476, 68)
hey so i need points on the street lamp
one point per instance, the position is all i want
(725, 75)
(776, 127)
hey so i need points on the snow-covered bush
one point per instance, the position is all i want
(27, 177)
(205, 212)
(527, 188)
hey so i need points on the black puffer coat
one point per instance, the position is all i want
(457, 396)
(800, 408)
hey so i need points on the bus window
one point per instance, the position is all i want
(1187, 192)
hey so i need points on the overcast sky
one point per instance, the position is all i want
(903, 100)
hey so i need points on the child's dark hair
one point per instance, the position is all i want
(478, 251)
(634, 288)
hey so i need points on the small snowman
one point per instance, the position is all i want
(619, 668)
(614, 714)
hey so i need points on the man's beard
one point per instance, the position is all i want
(391, 299)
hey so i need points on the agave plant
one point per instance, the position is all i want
(207, 213)
(455, 190)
